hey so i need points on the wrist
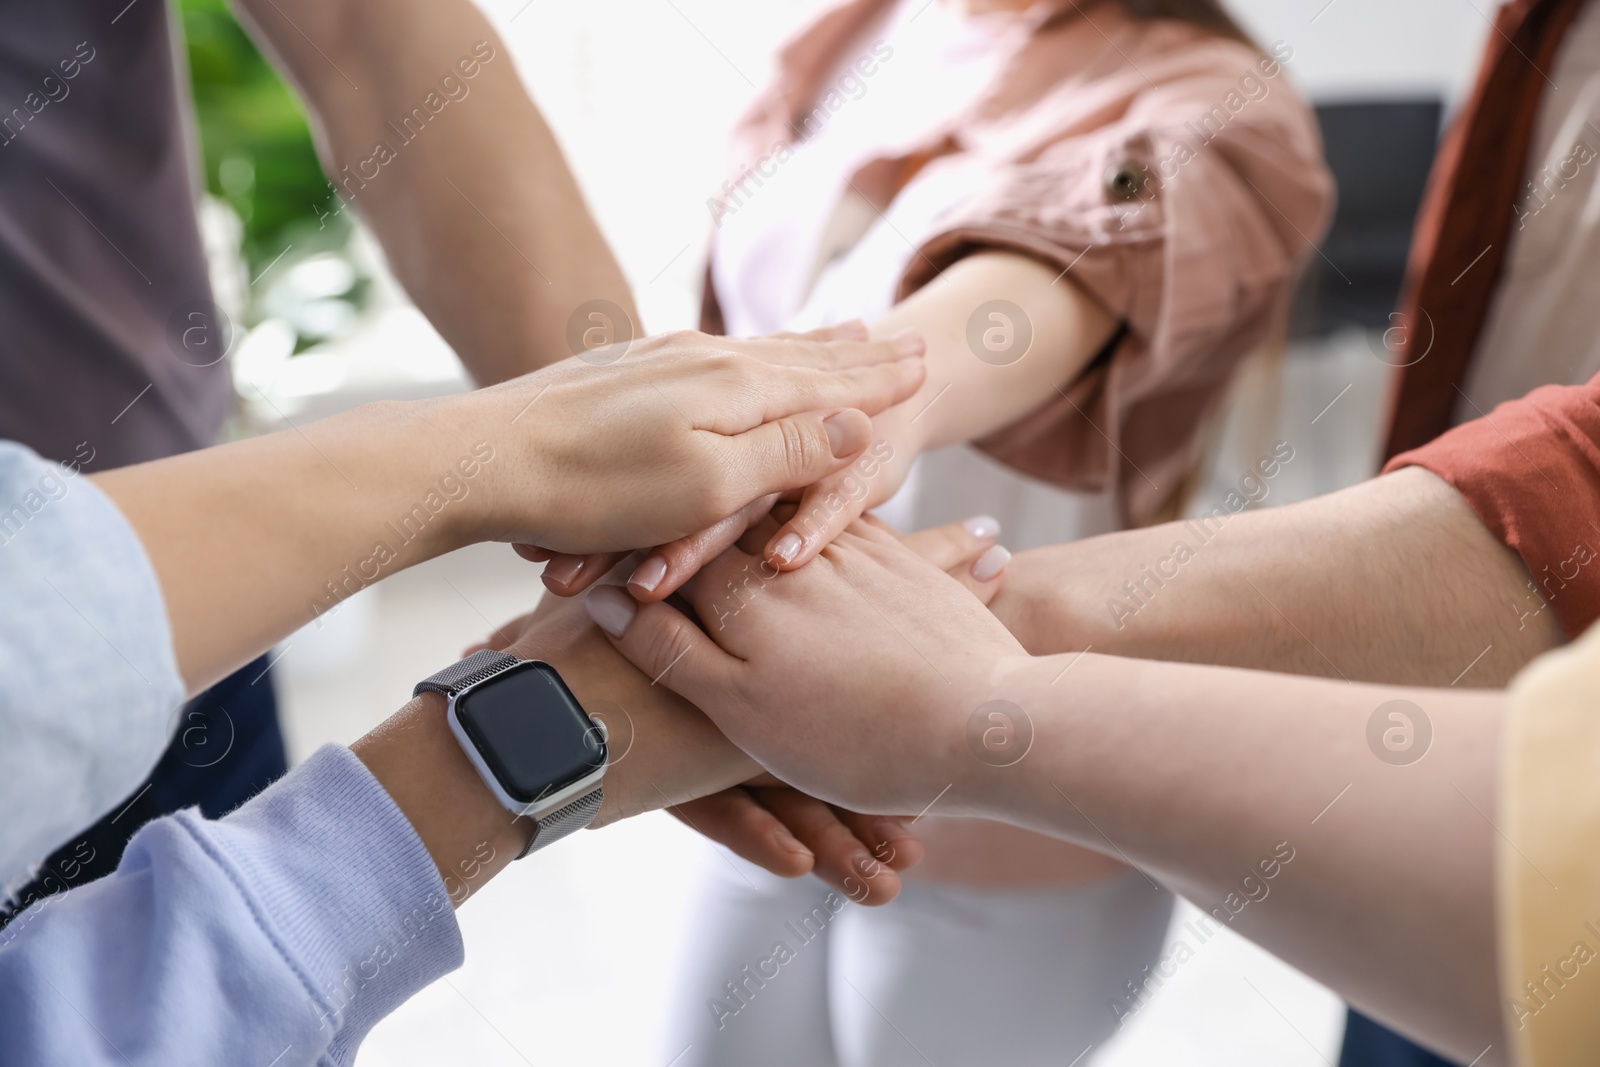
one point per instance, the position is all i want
(465, 829)
(998, 727)
(460, 484)
(1041, 605)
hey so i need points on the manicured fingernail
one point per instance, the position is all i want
(787, 548)
(908, 343)
(847, 432)
(648, 575)
(982, 527)
(789, 843)
(989, 565)
(563, 571)
(854, 330)
(611, 609)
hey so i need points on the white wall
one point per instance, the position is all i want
(1354, 48)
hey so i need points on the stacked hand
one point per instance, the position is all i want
(681, 433)
(863, 476)
(666, 754)
(785, 659)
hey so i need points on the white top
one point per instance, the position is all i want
(1544, 324)
(802, 250)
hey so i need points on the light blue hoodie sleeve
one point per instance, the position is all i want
(275, 936)
(89, 686)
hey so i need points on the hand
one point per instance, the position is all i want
(825, 508)
(868, 661)
(680, 433)
(1066, 329)
(568, 574)
(745, 819)
(666, 754)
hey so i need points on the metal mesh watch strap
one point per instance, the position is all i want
(484, 663)
(563, 821)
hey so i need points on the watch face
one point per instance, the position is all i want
(531, 731)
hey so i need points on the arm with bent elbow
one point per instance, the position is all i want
(427, 131)
(963, 397)
(283, 932)
(575, 457)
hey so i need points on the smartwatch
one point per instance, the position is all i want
(534, 746)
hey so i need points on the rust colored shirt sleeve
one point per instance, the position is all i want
(1530, 469)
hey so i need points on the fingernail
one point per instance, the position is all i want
(648, 575)
(787, 547)
(890, 830)
(908, 343)
(847, 432)
(854, 330)
(982, 527)
(789, 843)
(611, 609)
(989, 565)
(563, 571)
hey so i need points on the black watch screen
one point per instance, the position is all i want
(531, 731)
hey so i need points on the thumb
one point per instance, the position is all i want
(668, 648)
(795, 451)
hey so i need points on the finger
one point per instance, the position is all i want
(843, 861)
(797, 451)
(787, 390)
(987, 573)
(670, 650)
(889, 839)
(761, 531)
(666, 568)
(733, 819)
(967, 552)
(955, 543)
(532, 553)
(834, 353)
(869, 519)
(568, 575)
(825, 510)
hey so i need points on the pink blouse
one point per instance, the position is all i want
(1175, 176)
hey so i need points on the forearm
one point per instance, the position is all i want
(253, 539)
(462, 180)
(1389, 894)
(990, 364)
(1408, 587)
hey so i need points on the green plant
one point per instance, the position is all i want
(255, 140)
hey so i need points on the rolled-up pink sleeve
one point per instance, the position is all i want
(1188, 216)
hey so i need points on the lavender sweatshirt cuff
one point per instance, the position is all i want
(342, 885)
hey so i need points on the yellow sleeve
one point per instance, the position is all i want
(1548, 867)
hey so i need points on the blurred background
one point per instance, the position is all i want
(570, 956)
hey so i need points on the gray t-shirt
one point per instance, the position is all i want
(104, 296)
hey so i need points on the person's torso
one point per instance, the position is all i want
(804, 248)
(1543, 326)
(101, 265)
